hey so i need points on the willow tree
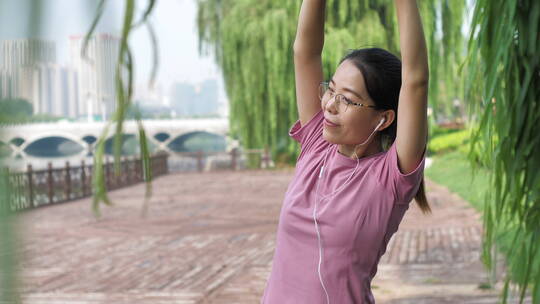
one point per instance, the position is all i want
(252, 43)
(504, 70)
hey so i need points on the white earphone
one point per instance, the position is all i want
(380, 123)
(315, 209)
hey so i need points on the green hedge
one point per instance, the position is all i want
(448, 142)
(435, 130)
(442, 142)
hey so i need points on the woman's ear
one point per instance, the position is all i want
(388, 117)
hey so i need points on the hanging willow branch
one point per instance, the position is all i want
(9, 242)
(124, 94)
(252, 41)
(503, 47)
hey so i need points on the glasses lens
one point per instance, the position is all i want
(341, 103)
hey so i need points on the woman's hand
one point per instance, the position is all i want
(412, 42)
(310, 31)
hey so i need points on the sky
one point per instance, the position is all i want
(173, 20)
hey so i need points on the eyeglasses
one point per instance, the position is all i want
(342, 101)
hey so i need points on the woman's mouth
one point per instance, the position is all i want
(329, 123)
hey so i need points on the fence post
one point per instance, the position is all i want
(128, 168)
(50, 183)
(83, 178)
(233, 158)
(133, 164)
(266, 158)
(107, 177)
(137, 168)
(30, 177)
(122, 175)
(67, 181)
(5, 198)
(156, 165)
(199, 160)
(159, 164)
(165, 163)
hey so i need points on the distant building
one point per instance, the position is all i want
(28, 51)
(5, 84)
(151, 101)
(17, 54)
(96, 76)
(195, 100)
(29, 71)
(51, 89)
(145, 95)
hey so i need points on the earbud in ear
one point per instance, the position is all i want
(380, 123)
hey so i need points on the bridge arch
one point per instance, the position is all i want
(130, 144)
(53, 146)
(198, 140)
(51, 134)
(89, 139)
(162, 136)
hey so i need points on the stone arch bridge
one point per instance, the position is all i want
(165, 135)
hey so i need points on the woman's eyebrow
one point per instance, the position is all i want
(347, 89)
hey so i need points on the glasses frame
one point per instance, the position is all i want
(339, 97)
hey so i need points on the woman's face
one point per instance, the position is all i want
(356, 123)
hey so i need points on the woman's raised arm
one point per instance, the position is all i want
(308, 46)
(412, 43)
(412, 125)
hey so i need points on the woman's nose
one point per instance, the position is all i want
(332, 104)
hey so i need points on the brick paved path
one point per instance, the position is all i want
(209, 238)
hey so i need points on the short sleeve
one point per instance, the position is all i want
(309, 134)
(404, 186)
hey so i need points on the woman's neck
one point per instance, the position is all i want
(373, 148)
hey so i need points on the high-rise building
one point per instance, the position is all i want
(5, 84)
(20, 53)
(70, 91)
(96, 75)
(51, 89)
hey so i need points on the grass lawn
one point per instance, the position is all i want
(454, 171)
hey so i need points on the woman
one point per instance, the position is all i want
(348, 195)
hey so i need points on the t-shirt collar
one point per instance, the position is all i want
(340, 159)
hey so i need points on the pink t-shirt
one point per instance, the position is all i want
(355, 224)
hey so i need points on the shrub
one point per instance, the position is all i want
(448, 142)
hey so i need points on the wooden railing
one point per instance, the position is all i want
(35, 188)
